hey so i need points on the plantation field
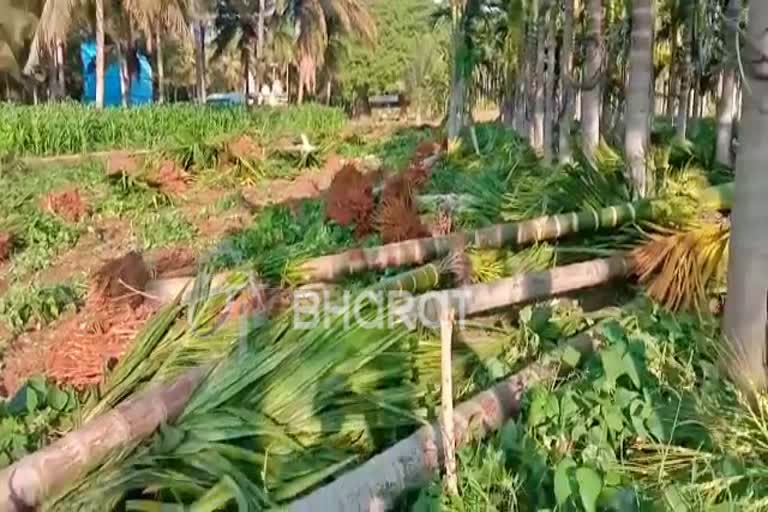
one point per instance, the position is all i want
(122, 275)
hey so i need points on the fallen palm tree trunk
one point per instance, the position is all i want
(25, 484)
(527, 287)
(414, 461)
(414, 252)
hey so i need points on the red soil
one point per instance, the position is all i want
(244, 148)
(170, 178)
(6, 246)
(123, 162)
(68, 204)
(81, 348)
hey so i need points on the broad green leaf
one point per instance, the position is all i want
(631, 369)
(57, 398)
(590, 486)
(613, 365)
(613, 332)
(571, 356)
(537, 413)
(563, 488)
(613, 418)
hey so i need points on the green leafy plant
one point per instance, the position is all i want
(26, 304)
(32, 417)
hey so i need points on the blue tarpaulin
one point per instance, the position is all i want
(141, 82)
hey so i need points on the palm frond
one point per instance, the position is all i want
(679, 267)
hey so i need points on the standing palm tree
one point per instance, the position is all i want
(592, 91)
(745, 307)
(726, 107)
(639, 104)
(566, 67)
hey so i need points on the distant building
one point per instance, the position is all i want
(141, 82)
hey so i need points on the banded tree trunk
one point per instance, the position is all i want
(566, 70)
(592, 93)
(60, 68)
(160, 65)
(726, 106)
(549, 87)
(537, 127)
(99, 53)
(685, 70)
(200, 63)
(458, 93)
(639, 102)
(745, 318)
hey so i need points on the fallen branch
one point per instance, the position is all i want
(27, 483)
(414, 461)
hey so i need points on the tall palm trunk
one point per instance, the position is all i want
(99, 53)
(549, 89)
(726, 106)
(566, 69)
(123, 66)
(539, 106)
(458, 94)
(60, 68)
(639, 103)
(260, 48)
(160, 66)
(592, 93)
(745, 308)
(245, 56)
(200, 63)
(685, 70)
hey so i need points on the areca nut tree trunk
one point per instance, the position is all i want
(744, 325)
(99, 53)
(160, 65)
(685, 70)
(566, 69)
(592, 93)
(726, 106)
(458, 92)
(200, 62)
(549, 87)
(60, 67)
(639, 101)
(538, 102)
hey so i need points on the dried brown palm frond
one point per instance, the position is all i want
(679, 267)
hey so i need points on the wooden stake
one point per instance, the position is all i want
(446, 370)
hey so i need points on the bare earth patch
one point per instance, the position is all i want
(170, 178)
(6, 245)
(67, 204)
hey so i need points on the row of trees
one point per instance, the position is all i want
(610, 64)
(348, 48)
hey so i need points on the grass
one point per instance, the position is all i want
(23, 304)
(73, 128)
(164, 228)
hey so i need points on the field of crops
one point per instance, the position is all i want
(73, 128)
(610, 346)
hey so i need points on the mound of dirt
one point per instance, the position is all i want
(244, 148)
(121, 280)
(123, 162)
(426, 149)
(173, 262)
(397, 220)
(349, 200)
(67, 204)
(81, 348)
(6, 245)
(170, 178)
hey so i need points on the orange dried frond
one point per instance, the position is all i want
(677, 268)
(398, 220)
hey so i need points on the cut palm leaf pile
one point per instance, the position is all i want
(300, 405)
